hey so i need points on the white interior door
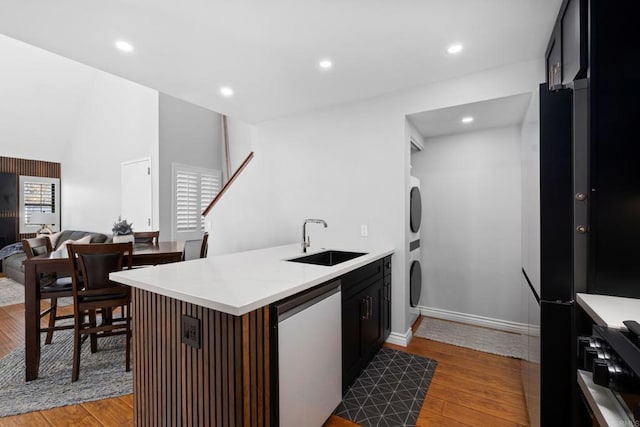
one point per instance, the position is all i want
(137, 206)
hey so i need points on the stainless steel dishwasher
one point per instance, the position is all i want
(309, 355)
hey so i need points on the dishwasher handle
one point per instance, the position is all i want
(304, 300)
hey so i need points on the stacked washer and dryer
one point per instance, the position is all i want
(415, 270)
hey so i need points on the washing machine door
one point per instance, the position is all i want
(415, 215)
(415, 283)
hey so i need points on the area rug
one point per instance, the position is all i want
(102, 375)
(390, 390)
(469, 336)
(11, 292)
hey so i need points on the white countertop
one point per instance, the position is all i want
(610, 311)
(241, 282)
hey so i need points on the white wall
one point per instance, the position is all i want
(348, 165)
(58, 110)
(311, 168)
(41, 95)
(240, 137)
(190, 135)
(470, 234)
(118, 122)
(413, 133)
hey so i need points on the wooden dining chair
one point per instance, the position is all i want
(94, 293)
(151, 237)
(52, 287)
(196, 248)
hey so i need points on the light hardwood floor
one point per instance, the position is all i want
(469, 388)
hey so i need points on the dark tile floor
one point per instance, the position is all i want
(390, 390)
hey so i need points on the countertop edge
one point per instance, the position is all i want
(590, 310)
(609, 311)
(241, 310)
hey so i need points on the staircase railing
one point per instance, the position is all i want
(228, 184)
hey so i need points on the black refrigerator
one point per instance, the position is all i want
(563, 147)
(589, 193)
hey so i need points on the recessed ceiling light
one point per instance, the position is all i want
(325, 64)
(226, 91)
(467, 119)
(124, 46)
(454, 48)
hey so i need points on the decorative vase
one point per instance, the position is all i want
(123, 238)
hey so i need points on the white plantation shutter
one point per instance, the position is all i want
(38, 194)
(186, 201)
(38, 197)
(194, 188)
(209, 187)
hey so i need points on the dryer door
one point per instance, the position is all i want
(415, 216)
(415, 283)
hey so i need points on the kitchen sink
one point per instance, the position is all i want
(327, 257)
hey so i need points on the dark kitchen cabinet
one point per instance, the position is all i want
(364, 313)
(614, 182)
(554, 59)
(566, 58)
(574, 41)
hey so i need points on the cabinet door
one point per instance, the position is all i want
(574, 41)
(8, 192)
(554, 59)
(372, 320)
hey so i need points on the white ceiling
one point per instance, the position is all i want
(493, 113)
(268, 50)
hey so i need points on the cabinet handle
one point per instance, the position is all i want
(368, 306)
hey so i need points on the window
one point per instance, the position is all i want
(193, 190)
(38, 194)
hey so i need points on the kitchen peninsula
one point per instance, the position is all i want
(202, 332)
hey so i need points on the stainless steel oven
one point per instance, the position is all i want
(610, 375)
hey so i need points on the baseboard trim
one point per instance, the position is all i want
(472, 319)
(400, 339)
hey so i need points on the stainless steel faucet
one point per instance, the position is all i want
(305, 239)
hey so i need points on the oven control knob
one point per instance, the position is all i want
(590, 354)
(601, 372)
(585, 342)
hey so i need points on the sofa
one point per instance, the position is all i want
(12, 265)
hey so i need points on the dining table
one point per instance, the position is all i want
(58, 262)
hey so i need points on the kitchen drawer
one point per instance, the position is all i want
(354, 281)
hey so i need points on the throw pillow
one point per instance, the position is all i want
(63, 246)
(53, 238)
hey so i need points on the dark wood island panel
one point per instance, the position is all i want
(226, 382)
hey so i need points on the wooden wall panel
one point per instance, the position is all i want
(29, 168)
(224, 383)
